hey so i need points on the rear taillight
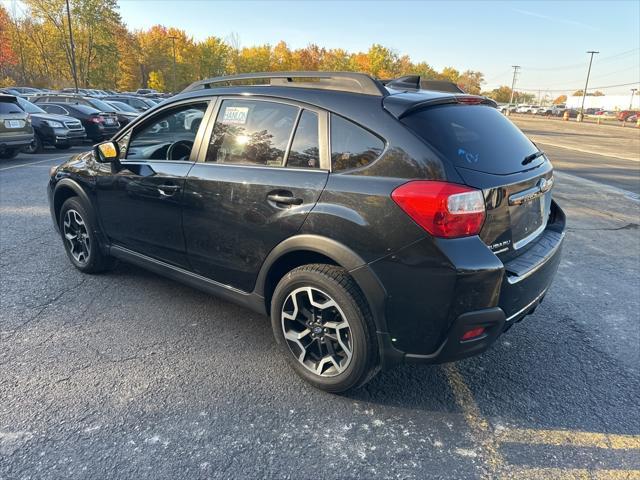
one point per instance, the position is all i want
(469, 100)
(97, 119)
(472, 334)
(443, 209)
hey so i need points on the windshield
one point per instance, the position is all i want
(477, 137)
(29, 107)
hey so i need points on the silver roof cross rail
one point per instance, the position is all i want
(340, 81)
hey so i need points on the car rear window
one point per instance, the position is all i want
(83, 109)
(10, 107)
(100, 105)
(477, 137)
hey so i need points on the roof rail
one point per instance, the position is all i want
(341, 81)
(416, 82)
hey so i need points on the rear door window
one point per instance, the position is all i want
(305, 149)
(252, 132)
(477, 137)
(53, 109)
(352, 146)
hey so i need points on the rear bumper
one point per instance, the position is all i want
(438, 290)
(16, 140)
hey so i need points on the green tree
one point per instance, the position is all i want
(156, 81)
(450, 74)
(501, 94)
(471, 81)
(336, 60)
(281, 57)
(382, 61)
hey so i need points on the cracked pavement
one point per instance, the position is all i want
(130, 375)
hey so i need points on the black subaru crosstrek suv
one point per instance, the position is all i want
(374, 223)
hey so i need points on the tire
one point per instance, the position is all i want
(35, 147)
(354, 350)
(63, 147)
(8, 153)
(84, 253)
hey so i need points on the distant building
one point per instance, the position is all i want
(606, 102)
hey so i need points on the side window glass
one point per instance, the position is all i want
(305, 149)
(53, 109)
(168, 135)
(251, 132)
(351, 145)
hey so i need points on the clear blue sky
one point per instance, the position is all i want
(549, 39)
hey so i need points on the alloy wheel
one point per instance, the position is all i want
(317, 331)
(76, 236)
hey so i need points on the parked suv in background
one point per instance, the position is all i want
(138, 103)
(15, 127)
(106, 111)
(375, 224)
(61, 131)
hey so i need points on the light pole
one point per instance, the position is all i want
(633, 91)
(173, 44)
(73, 49)
(586, 84)
(513, 85)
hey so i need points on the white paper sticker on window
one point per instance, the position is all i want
(235, 115)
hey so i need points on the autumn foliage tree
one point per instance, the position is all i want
(8, 57)
(35, 50)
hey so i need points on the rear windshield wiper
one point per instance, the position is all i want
(532, 157)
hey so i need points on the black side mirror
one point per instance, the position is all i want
(107, 152)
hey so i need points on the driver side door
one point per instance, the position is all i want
(140, 201)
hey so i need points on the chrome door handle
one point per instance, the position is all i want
(168, 190)
(284, 199)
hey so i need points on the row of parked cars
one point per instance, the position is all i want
(31, 119)
(560, 109)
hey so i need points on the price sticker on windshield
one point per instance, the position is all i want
(235, 115)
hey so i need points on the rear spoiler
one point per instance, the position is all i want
(416, 82)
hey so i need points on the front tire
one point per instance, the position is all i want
(322, 321)
(79, 238)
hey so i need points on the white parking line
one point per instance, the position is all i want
(33, 163)
(624, 156)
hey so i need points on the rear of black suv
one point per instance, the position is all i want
(494, 235)
(374, 224)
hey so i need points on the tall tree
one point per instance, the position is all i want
(501, 94)
(560, 100)
(471, 81)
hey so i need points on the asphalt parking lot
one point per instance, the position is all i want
(128, 375)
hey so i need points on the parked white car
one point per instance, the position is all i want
(527, 108)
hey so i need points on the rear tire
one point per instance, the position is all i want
(35, 147)
(79, 238)
(322, 322)
(8, 153)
